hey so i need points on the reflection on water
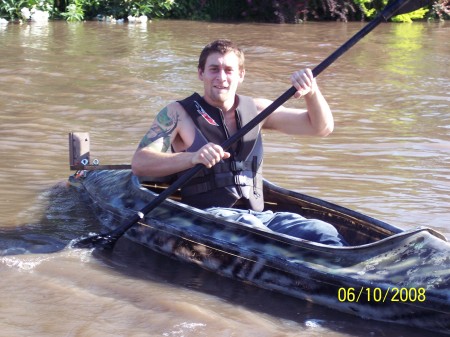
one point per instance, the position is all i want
(388, 156)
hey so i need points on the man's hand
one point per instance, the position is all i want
(209, 155)
(304, 82)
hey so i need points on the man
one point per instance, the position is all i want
(188, 132)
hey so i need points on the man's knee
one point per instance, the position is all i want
(309, 229)
(243, 216)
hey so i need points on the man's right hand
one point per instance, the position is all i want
(209, 155)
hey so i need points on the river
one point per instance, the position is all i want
(388, 157)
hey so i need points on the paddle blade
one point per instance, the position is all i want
(398, 7)
(97, 241)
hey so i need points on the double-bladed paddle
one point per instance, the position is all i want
(107, 240)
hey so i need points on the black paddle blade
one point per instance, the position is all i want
(103, 241)
(404, 7)
(108, 240)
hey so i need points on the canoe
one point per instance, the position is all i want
(387, 274)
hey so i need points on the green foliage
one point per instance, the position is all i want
(74, 12)
(366, 7)
(77, 10)
(11, 8)
(288, 11)
(43, 5)
(123, 8)
(409, 17)
(371, 8)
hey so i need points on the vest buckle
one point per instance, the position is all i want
(237, 165)
(240, 180)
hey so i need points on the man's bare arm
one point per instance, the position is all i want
(153, 156)
(158, 136)
(317, 119)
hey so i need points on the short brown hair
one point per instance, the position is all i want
(221, 46)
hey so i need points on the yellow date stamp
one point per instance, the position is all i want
(379, 295)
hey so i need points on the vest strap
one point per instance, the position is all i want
(213, 182)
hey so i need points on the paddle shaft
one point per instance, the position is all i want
(109, 239)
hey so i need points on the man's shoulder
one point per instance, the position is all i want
(176, 107)
(177, 111)
(180, 105)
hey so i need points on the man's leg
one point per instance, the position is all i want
(284, 222)
(244, 216)
(295, 225)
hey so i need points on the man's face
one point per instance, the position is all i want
(221, 79)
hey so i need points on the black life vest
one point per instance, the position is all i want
(236, 178)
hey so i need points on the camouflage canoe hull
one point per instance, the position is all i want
(387, 274)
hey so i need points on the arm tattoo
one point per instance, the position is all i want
(161, 129)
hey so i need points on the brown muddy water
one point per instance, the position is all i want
(388, 157)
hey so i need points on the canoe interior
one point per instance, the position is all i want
(357, 229)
